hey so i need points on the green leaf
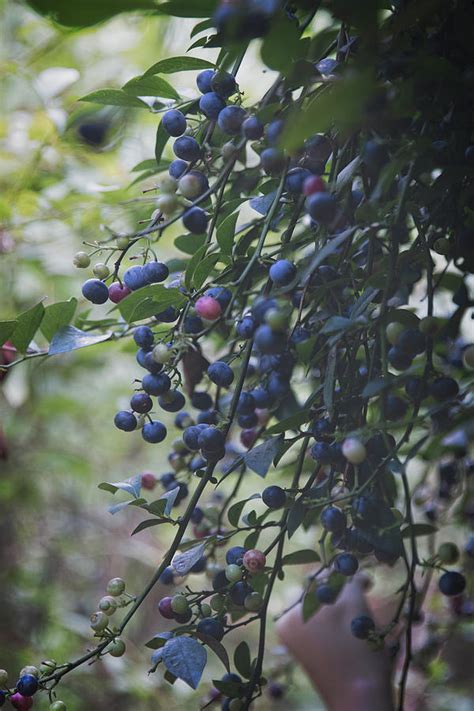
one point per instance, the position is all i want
(301, 557)
(6, 329)
(148, 523)
(183, 562)
(296, 516)
(150, 86)
(186, 659)
(83, 14)
(114, 97)
(260, 458)
(192, 265)
(236, 509)
(160, 141)
(203, 269)
(189, 244)
(144, 303)
(242, 659)
(178, 64)
(217, 647)
(125, 504)
(329, 377)
(26, 326)
(418, 529)
(57, 316)
(290, 423)
(310, 606)
(377, 386)
(132, 486)
(329, 248)
(70, 338)
(346, 174)
(336, 324)
(159, 640)
(190, 8)
(282, 45)
(225, 233)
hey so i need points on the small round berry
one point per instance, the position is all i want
(95, 291)
(27, 685)
(276, 690)
(223, 84)
(398, 359)
(165, 609)
(322, 207)
(468, 357)
(101, 270)
(239, 592)
(177, 168)
(167, 576)
(179, 604)
(444, 388)
(254, 561)
(134, 278)
(230, 120)
(195, 220)
(252, 128)
(156, 384)
(117, 648)
(273, 161)
(448, 553)
(58, 706)
(155, 272)
(29, 669)
(168, 184)
(174, 122)
(333, 519)
(172, 401)
(204, 79)
(346, 563)
(20, 702)
(154, 432)
(235, 555)
(3, 677)
(122, 242)
(143, 337)
(118, 292)
(452, 583)
(116, 587)
(295, 180)
(245, 328)
(125, 421)
(233, 573)
(362, 626)
(326, 594)
(141, 403)
(211, 627)
(107, 604)
(354, 450)
(81, 260)
(99, 621)
(274, 497)
(282, 272)
(253, 601)
(221, 374)
(162, 353)
(393, 332)
(187, 148)
(313, 184)
(208, 308)
(211, 104)
(193, 184)
(395, 407)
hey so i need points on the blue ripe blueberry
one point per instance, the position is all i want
(191, 437)
(177, 168)
(172, 401)
(274, 497)
(211, 104)
(167, 316)
(395, 407)
(365, 511)
(230, 120)
(155, 272)
(203, 80)
(274, 131)
(183, 420)
(174, 122)
(346, 563)
(452, 583)
(262, 398)
(322, 429)
(357, 542)
(150, 363)
(252, 128)
(219, 581)
(260, 308)
(322, 207)
(416, 388)
(300, 335)
(197, 515)
(278, 385)
(141, 402)
(444, 388)
(246, 403)
(193, 324)
(3, 698)
(125, 421)
(199, 566)
(223, 84)
(375, 156)
(27, 685)
(211, 439)
(230, 676)
(201, 401)
(273, 161)
(269, 341)
(221, 374)
(156, 384)
(247, 421)
(322, 452)
(362, 626)
(235, 555)
(95, 291)
(222, 295)
(143, 361)
(143, 337)
(196, 463)
(187, 148)
(211, 627)
(295, 179)
(326, 594)
(167, 576)
(239, 592)
(195, 220)
(282, 272)
(154, 432)
(168, 480)
(333, 519)
(245, 327)
(411, 341)
(398, 359)
(134, 278)
(208, 417)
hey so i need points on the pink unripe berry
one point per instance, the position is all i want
(148, 481)
(314, 184)
(254, 561)
(208, 308)
(248, 437)
(117, 292)
(20, 702)
(354, 450)
(164, 606)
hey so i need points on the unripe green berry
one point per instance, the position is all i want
(122, 242)
(442, 246)
(34, 671)
(218, 603)
(179, 604)
(177, 462)
(99, 621)
(468, 357)
(116, 587)
(276, 319)
(212, 568)
(228, 150)
(393, 332)
(190, 186)
(233, 573)
(253, 602)
(162, 354)
(48, 666)
(108, 604)
(167, 203)
(101, 270)
(206, 610)
(117, 648)
(354, 450)
(448, 553)
(168, 184)
(3, 677)
(179, 446)
(81, 260)
(58, 706)
(429, 325)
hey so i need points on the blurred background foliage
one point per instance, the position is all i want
(66, 169)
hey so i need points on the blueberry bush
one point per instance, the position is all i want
(312, 329)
